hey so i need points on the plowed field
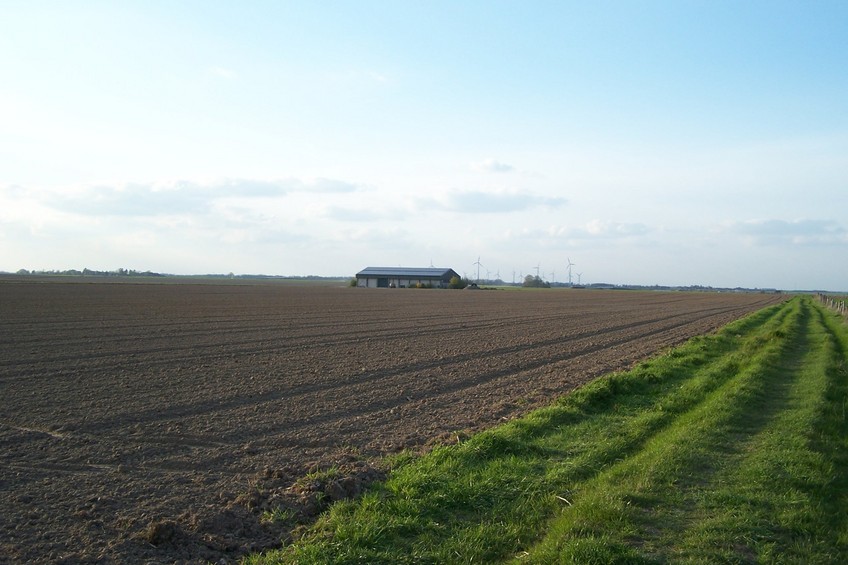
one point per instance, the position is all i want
(166, 422)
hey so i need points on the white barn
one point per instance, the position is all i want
(404, 277)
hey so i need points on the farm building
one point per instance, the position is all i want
(403, 277)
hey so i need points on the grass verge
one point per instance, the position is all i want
(731, 448)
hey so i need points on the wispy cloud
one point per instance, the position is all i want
(592, 230)
(366, 239)
(223, 72)
(794, 232)
(481, 202)
(351, 214)
(139, 199)
(379, 77)
(324, 185)
(600, 229)
(174, 198)
(492, 166)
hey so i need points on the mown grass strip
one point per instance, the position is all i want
(729, 448)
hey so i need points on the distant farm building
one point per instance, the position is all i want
(404, 277)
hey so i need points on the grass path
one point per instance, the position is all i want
(730, 449)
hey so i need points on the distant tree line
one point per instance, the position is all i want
(134, 273)
(91, 273)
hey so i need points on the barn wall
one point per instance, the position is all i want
(371, 282)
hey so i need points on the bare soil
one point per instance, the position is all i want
(162, 423)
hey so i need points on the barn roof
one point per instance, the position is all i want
(429, 272)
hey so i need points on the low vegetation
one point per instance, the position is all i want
(730, 449)
(457, 282)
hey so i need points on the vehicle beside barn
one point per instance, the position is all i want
(404, 277)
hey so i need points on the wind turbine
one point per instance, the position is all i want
(578, 278)
(570, 264)
(537, 269)
(479, 264)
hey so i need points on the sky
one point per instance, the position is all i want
(671, 143)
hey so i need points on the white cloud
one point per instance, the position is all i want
(137, 199)
(244, 225)
(482, 202)
(803, 232)
(325, 185)
(492, 166)
(591, 230)
(170, 198)
(358, 214)
(599, 229)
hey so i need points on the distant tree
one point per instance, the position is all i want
(531, 281)
(457, 282)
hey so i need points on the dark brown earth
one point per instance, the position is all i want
(161, 423)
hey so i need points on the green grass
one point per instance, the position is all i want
(730, 449)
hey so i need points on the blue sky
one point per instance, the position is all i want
(649, 142)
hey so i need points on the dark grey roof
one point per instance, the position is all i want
(431, 272)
